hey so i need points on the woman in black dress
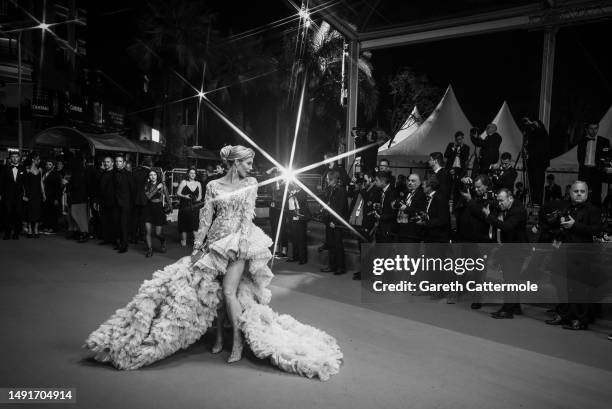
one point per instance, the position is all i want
(33, 196)
(189, 193)
(153, 213)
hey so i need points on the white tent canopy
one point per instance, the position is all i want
(512, 137)
(412, 124)
(432, 135)
(569, 160)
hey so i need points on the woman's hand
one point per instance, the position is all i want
(243, 248)
(160, 186)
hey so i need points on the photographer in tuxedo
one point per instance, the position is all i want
(503, 174)
(436, 163)
(384, 213)
(472, 223)
(457, 155)
(408, 210)
(489, 148)
(509, 221)
(578, 221)
(593, 150)
(437, 215)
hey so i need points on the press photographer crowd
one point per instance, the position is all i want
(463, 197)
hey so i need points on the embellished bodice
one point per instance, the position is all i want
(227, 210)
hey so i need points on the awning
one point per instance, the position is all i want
(63, 136)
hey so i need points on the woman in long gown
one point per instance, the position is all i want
(176, 307)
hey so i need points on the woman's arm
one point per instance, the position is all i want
(206, 215)
(199, 192)
(179, 190)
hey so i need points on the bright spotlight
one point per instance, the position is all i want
(201, 94)
(289, 175)
(44, 26)
(304, 14)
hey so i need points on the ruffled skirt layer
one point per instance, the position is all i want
(177, 306)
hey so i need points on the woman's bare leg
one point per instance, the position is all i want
(234, 309)
(148, 227)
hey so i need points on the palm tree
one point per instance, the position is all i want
(321, 63)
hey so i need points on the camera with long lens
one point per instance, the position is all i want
(420, 216)
(488, 198)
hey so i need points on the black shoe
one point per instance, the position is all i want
(291, 260)
(29, 235)
(163, 245)
(84, 238)
(36, 236)
(502, 315)
(357, 276)
(149, 252)
(557, 320)
(302, 262)
(327, 270)
(15, 236)
(576, 325)
(476, 306)
(339, 272)
(123, 249)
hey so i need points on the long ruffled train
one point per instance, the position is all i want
(177, 306)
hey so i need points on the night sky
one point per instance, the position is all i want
(484, 70)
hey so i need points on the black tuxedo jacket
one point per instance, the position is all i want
(123, 183)
(304, 212)
(587, 223)
(602, 150)
(514, 226)
(489, 148)
(106, 188)
(505, 178)
(451, 153)
(445, 182)
(11, 189)
(438, 220)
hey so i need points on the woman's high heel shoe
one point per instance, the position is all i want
(149, 252)
(183, 243)
(163, 245)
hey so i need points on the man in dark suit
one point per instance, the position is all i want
(436, 163)
(335, 195)
(385, 214)
(592, 151)
(415, 203)
(123, 184)
(140, 175)
(11, 196)
(457, 155)
(52, 183)
(106, 201)
(552, 191)
(581, 221)
(511, 223)
(504, 174)
(437, 223)
(298, 215)
(489, 148)
(537, 151)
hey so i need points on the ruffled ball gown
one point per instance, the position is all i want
(176, 307)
